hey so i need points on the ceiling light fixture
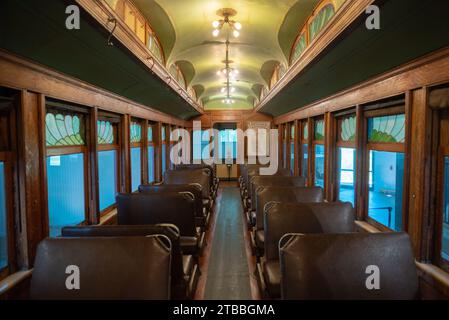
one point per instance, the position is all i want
(226, 13)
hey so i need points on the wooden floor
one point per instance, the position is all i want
(227, 266)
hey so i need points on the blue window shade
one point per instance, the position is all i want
(347, 175)
(107, 177)
(305, 160)
(65, 183)
(319, 166)
(445, 231)
(151, 164)
(3, 228)
(292, 157)
(385, 193)
(164, 159)
(136, 169)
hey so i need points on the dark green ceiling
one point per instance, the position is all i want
(409, 29)
(36, 30)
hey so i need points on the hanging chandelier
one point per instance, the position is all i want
(226, 13)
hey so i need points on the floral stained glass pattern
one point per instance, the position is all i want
(347, 130)
(300, 46)
(305, 131)
(64, 130)
(387, 129)
(105, 131)
(136, 132)
(321, 20)
(150, 133)
(319, 130)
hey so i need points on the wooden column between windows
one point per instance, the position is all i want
(329, 156)
(310, 175)
(92, 167)
(144, 151)
(360, 163)
(32, 163)
(419, 197)
(158, 140)
(125, 153)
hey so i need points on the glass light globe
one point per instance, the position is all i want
(216, 33)
(236, 34)
(216, 24)
(238, 26)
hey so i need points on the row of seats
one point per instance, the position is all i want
(308, 248)
(152, 253)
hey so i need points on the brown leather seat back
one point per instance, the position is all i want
(168, 230)
(254, 170)
(345, 266)
(193, 166)
(177, 208)
(274, 181)
(201, 176)
(284, 194)
(283, 218)
(109, 268)
(194, 188)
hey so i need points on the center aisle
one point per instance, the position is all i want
(228, 275)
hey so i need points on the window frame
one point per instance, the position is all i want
(142, 147)
(443, 152)
(52, 151)
(383, 147)
(304, 141)
(315, 143)
(116, 146)
(153, 144)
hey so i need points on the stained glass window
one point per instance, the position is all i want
(292, 132)
(387, 129)
(321, 20)
(135, 132)
(319, 130)
(105, 132)
(347, 129)
(300, 46)
(305, 131)
(64, 130)
(150, 134)
(154, 47)
(163, 133)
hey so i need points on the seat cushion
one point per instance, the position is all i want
(189, 245)
(272, 276)
(260, 239)
(187, 264)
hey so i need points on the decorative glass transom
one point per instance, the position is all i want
(64, 130)
(105, 131)
(319, 130)
(135, 132)
(347, 129)
(305, 131)
(150, 133)
(300, 46)
(387, 129)
(321, 20)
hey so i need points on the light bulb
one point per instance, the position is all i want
(236, 71)
(238, 25)
(236, 34)
(219, 73)
(223, 90)
(216, 33)
(216, 24)
(232, 90)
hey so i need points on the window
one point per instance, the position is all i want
(201, 140)
(386, 136)
(227, 144)
(3, 219)
(173, 140)
(164, 149)
(292, 148)
(108, 150)
(320, 20)
(66, 156)
(151, 154)
(346, 157)
(136, 155)
(305, 149)
(284, 146)
(319, 152)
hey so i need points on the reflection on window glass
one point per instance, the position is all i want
(164, 158)
(65, 182)
(386, 189)
(305, 160)
(151, 164)
(107, 178)
(445, 231)
(292, 156)
(136, 169)
(3, 229)
(319, 165)
(347, 175)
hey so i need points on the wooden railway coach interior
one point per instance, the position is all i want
(224, 150)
